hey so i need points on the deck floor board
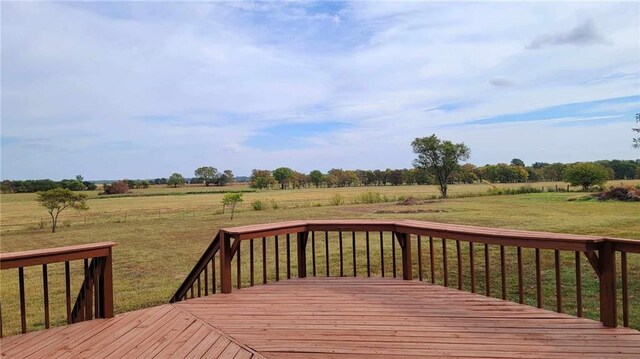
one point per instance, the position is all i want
(333, 317)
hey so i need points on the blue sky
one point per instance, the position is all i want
(144, 89)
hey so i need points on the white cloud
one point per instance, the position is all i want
(158, 87)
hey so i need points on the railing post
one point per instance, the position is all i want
(607, 266)
(302, 254)
(405, 244)
(107, 282)
(225, 262)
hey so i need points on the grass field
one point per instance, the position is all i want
(163, 236)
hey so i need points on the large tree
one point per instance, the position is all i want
(176, 180)
(229, 177)
(586, 175)
(283, 175)
(261, 179)
(517, 162)
(316, 177)
(208, 174)
(440, 158)
(57, 200)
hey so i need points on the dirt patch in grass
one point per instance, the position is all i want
(409, 211)
(412, 201)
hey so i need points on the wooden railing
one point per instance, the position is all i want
(95, 296)
(408, 242)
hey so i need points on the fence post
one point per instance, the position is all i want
(405, 244)
(302, 254)
(607, 264)
(225, 262)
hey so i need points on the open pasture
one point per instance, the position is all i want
(21, 213)
(155, 252)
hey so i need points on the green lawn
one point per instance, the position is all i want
(156, 250)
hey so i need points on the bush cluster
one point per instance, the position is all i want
(117, 187)
(257, 205)
(627, 194)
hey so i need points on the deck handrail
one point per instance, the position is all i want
(600, 252)
(535, 239)
(53, 255)
(95, 297)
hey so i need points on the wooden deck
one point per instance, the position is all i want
(333, 317)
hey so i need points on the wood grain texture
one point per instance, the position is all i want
(386, 317)
(333, 317)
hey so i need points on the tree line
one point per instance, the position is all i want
(29, 186)
(514, 172)
(203, 175)
(286, 178)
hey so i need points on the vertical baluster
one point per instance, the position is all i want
(239, 267)
(251, 265)
(1, 331)
(558, 282)
(341, 261)
(277, 255)
(96, 285)
(288, 256)
(503, 273)
(326, 250)
(520, 281)
(459, 254)
(419, 257)
(578, 285)
(432, 262)
(67, 282)
(472, 268)
(625, 290)
(213, 275)
(313, 251)
(23, 314)
(87, 291)
(445, 268)
(192, 295)
(368, 255)
(538, 280)
(199, 286)
(393, 254)
(382, 252)
(264, 260)
(206, 280)
(487, 271)
(45, 291)
(353, 249)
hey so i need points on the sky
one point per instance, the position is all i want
(114, 90)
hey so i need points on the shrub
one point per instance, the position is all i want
(627, 194)
(370, 197)
(274, 204)
(337, 200)
(257, 205)
(117, 187)
(507, 191)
